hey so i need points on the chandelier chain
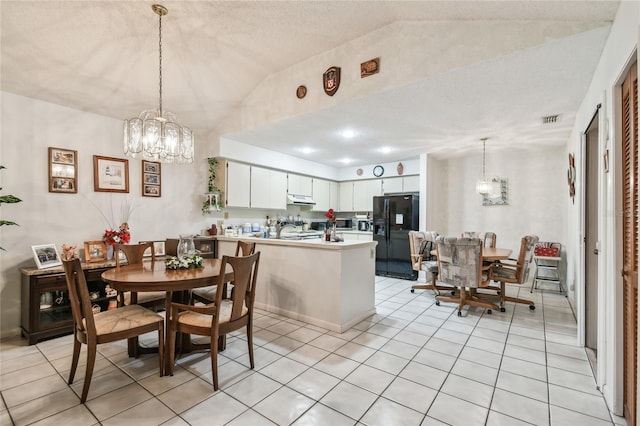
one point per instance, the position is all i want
(160, 56)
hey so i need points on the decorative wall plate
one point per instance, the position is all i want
(378, 171)
(301, 91)
(359, 172)
(331, 80)
(400, 169)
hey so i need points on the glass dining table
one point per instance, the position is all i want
(154, 276)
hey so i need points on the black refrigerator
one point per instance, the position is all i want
(393, 217)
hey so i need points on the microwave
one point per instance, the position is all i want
(344, 223)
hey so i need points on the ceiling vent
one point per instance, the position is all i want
(551, 119)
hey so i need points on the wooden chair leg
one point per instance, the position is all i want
(74, 359)
(171, 350)
(250, 343)
(161, 347)
(214, 359)
(92, 349)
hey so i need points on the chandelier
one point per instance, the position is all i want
(155, 135)
(487, 187)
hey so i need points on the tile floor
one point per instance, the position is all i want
(413, 363)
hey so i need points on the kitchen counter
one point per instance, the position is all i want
(328, 284)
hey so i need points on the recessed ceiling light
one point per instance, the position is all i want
(307, 150)
(345, 160)
(348, 133)
(385, 149)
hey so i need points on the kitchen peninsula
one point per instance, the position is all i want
(327, 284)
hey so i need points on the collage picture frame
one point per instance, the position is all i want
(151, 179)
(63, 170)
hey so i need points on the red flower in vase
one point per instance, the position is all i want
(331, 216)
(122, 235)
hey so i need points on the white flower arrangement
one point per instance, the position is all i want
(184, 262)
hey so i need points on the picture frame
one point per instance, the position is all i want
(158, 248)
(205, 247)
(63, 170)
(110, 174)
(95, 251)
(151, 179)
(46, 256)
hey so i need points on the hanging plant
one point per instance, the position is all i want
(9, 199)
(212, 202)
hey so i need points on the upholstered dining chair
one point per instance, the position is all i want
(208, 294)
(421, 243)
(515, 271)
(103, 327)
(134, 254)
(460, 265)
(488, 238)
(224, 315)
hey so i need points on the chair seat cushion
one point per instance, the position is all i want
(124, 318)
(208, 293)
(430, 265)
(500, 272)
(204, 320)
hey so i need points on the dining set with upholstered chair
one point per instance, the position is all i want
(221, 314)
(474, 275)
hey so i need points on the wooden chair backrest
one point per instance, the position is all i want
(527, 244)
(171, 246)
(488, 238)
(460, 261)
(421, 243)
(134, 252)
(245, 273)
(79, 297)
(245, 248)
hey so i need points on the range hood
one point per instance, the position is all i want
(300, 200)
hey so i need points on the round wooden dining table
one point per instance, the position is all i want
(153, 276)
(489, 254)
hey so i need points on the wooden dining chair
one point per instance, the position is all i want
(515, 271)
(208, 294)
(460, 265)
(421, 244)
(134, 254)
(103, 327)
(224, 315)
(488, 238)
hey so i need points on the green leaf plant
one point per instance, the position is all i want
(212, 188)
(9, 199)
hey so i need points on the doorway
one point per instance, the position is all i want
(591, 150)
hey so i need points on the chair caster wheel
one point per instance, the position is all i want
(532, 307)
(413, 290)
(503, 310)
(459, 313)
(437, 303)
(489, 311)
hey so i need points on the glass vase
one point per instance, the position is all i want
(186, 247)
(109, 252)
(333, 232)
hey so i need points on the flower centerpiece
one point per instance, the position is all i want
(330, 235)
(115, 236)
(184, 262)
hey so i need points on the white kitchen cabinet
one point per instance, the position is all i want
(238, 184)
(268, 189)
(321, 195)
(390, 185)
(345, 200)
(334, 195)
(363, 193)
(411, 183)
(300, 185)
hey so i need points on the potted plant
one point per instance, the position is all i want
(213, 202)
(9, 199)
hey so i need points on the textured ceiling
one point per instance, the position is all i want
(101, 57)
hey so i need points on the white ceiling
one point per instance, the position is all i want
(101, 57)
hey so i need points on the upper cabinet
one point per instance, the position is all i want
(300, 185)
(401, 184)
(363, 193)
(268, 189)
(411, 183)
(345, 199)
(238, 184)
(321, 195)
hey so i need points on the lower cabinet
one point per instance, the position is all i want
(46, 311)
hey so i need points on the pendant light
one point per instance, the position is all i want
(487, 187)
(155, 135)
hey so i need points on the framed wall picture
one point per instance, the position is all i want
(110, 174)
(151, 179)
(46, 256)
(63, 170)
(95, 251)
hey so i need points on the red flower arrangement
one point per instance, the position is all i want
(122, 235)
(331, 216)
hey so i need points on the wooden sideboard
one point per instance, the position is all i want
(46, 311)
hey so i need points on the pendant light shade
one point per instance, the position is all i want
(156, 135)
(487, 187)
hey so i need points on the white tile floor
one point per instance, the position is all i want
(413, 363)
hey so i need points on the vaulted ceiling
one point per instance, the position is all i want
(102, 57)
